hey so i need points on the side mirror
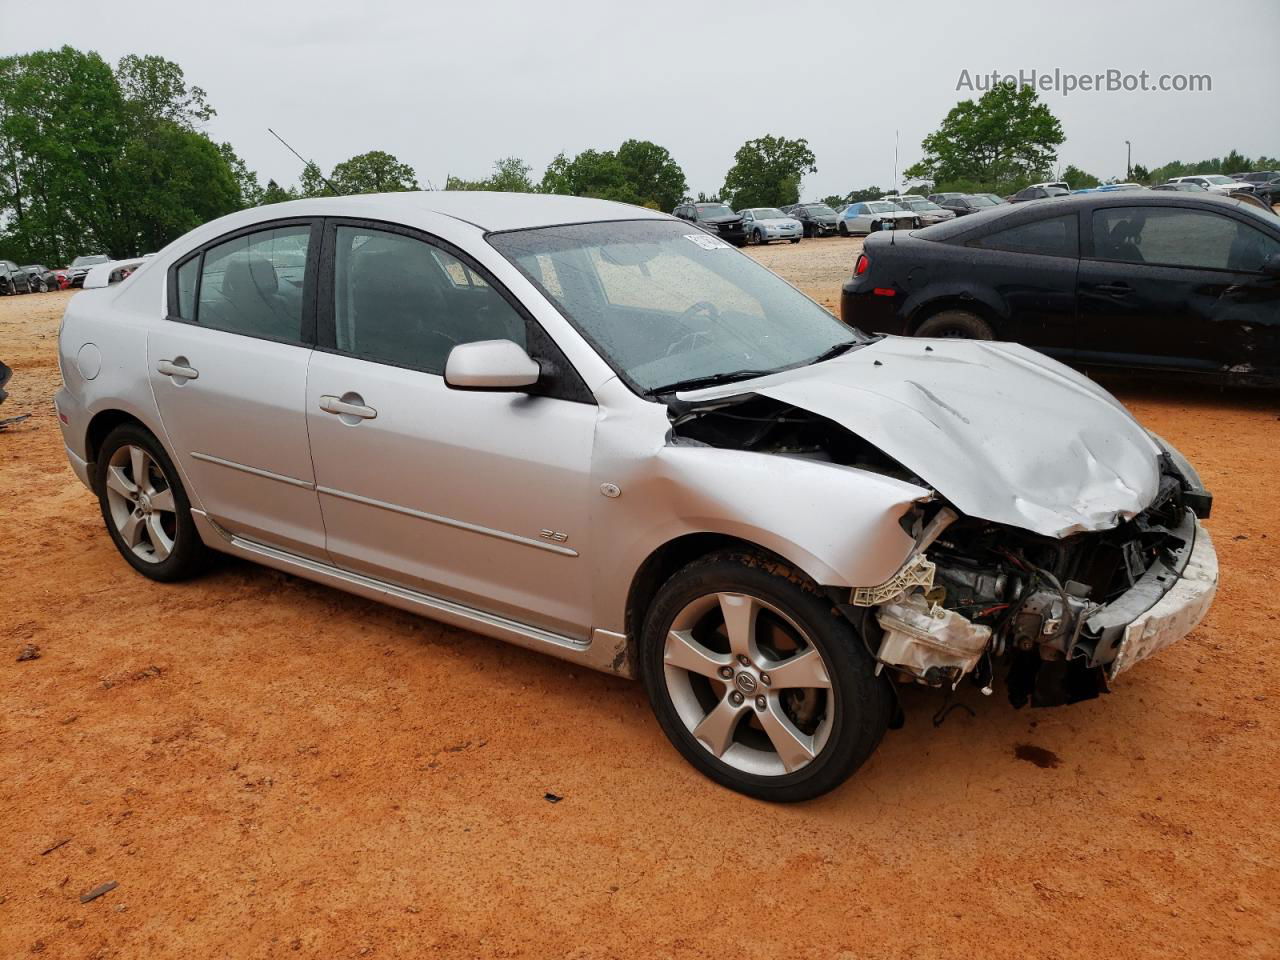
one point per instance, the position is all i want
(490, 365)
(1271, 265)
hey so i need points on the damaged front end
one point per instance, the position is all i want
(1056, 614)
(1059, 617)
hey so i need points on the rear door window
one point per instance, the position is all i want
(1051, 237)
(253, 284)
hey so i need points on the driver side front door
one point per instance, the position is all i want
(480, 498)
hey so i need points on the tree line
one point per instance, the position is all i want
(113, 159)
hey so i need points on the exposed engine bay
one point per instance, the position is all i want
(978, 598)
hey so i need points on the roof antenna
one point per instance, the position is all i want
(306, 162)
(894, 235)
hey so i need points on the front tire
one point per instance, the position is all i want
(758, 681)
(843, 230)
(145, 507)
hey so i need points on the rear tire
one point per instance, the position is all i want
(958, 324)
(710, 638)
(145, 508)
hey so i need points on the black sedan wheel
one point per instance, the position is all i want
(959, 324)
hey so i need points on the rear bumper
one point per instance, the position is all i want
(861, 308)
(73, 421)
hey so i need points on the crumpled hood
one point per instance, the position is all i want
(1002, 432)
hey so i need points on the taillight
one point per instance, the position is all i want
(860, 267)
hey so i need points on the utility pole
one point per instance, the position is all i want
(1128, 160)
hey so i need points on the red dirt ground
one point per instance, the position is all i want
(269, 768)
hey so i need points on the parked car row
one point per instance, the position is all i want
(93, 270)
(31, 278)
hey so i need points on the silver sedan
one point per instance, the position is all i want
(594, 431)
(764, 224)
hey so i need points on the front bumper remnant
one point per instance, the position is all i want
(1176, 613)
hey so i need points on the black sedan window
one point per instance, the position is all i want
(1180, 237)
(1052, 237)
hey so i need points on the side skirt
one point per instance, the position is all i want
(606, 651)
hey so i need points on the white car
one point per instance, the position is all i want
(113, 271)
(860, 219)
(1215, 183)
(928, 211)
(762, 224)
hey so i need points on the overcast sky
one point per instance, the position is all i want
(449, 87)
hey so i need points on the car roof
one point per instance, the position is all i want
(488, 210)
(1051, 205)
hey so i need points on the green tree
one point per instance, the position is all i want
(100, 160)
(312, 183)
(766, 172)
(274, 193)
(655, 179)
(63, 129)
(1007, 137)
(1077, 179)
(866, 193)
(592, 173)
(374, 172)
(1139, 173)
(510, 175)
(834, 202)
(248, 189)
(157, 90)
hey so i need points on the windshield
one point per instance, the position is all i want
(90, 260)
(978, 200)
(714, 210)
(820, 210)
(918, 205)
(882, 206)
(768, 213)
(1218, 178)
(662, 305)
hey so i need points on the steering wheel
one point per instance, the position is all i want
(702, 306)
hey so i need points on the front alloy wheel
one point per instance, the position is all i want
(757, 682)
(748, 684)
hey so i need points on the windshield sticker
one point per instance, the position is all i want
(706, 241)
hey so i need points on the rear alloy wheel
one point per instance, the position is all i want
(959, 324)
(145, 508)
(757, 683)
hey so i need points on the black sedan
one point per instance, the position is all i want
(1162, 281)
(966, 203)
(42, 278)
(818, 219)
(13, 279)
(717, 219)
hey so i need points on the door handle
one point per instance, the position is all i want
(1120, 289)
(178, 368)
(348, 405)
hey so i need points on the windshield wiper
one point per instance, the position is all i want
(714, 379)
(835, 350)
